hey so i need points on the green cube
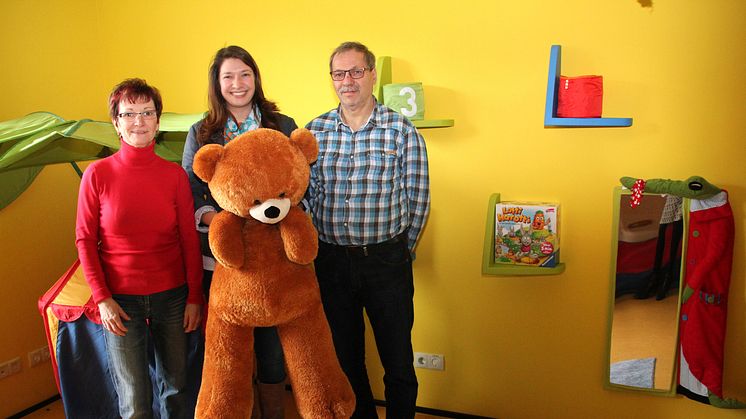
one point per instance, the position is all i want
(406, 98)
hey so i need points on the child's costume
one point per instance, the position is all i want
(704, 301)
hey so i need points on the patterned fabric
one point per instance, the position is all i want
(672, 211)
(232, 130)
(370, 185)
(637, 189)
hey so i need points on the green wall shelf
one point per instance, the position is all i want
(489, 267)
(433, 123)
(383, 69)
(550, 109)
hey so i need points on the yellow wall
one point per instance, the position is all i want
(531, 347)
(48, 63)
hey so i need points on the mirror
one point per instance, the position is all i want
(645, 279)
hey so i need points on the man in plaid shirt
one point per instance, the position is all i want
(369, 198)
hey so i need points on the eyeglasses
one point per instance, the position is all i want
(355, 73)
(130, 116)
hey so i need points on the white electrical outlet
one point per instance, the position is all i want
(10, 367)
(37, 356)
(437, 362)
(33, 358)
(429, 361)
(44, 353)
(15, 365)
(420, 360)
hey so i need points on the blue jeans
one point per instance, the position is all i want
(159, 317)
(270, 361)
(379, 281)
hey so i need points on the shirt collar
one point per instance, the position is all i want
(373, 119)
(136, 156)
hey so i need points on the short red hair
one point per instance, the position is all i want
(134, 90)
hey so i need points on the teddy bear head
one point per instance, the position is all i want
(259, 174)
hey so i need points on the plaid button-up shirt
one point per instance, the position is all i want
(370, 185)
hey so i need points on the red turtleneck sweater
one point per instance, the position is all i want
(135, 226)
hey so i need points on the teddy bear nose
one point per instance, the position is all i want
(272, 212)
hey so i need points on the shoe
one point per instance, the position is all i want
(650, 284)
(269, 401)
(664, 286)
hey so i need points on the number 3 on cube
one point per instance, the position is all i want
(406, 98)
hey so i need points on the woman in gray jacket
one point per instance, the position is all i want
(237, 105)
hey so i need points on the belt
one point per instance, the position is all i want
(369, 249)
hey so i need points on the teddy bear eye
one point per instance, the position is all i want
(257, 202)
(282, 195)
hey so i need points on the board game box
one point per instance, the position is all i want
(527, 233)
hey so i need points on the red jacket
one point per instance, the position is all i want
(709, 260)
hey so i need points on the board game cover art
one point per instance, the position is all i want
(527, 233)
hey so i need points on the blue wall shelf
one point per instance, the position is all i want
(550, 110)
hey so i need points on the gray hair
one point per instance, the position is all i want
(370, 58)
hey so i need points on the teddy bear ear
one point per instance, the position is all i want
(206, 160)
(306, 142)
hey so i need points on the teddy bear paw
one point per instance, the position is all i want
(342, 409)
(339, 409)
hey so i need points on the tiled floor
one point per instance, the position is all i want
(56, 411)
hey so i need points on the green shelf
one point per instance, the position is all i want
(489, 267)
(433, 123)
(383, 69)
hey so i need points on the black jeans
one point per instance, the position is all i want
(377, 279)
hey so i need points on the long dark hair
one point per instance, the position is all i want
(217, 112)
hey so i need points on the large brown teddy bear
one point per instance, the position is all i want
(265, 244)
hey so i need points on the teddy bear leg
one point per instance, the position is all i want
(226, 390)
(320, 387)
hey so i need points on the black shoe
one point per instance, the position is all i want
(664, 286)
(650, 284)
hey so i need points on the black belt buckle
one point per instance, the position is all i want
(356, 250)
(367, 249)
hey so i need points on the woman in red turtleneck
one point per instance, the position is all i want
(140, 254)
